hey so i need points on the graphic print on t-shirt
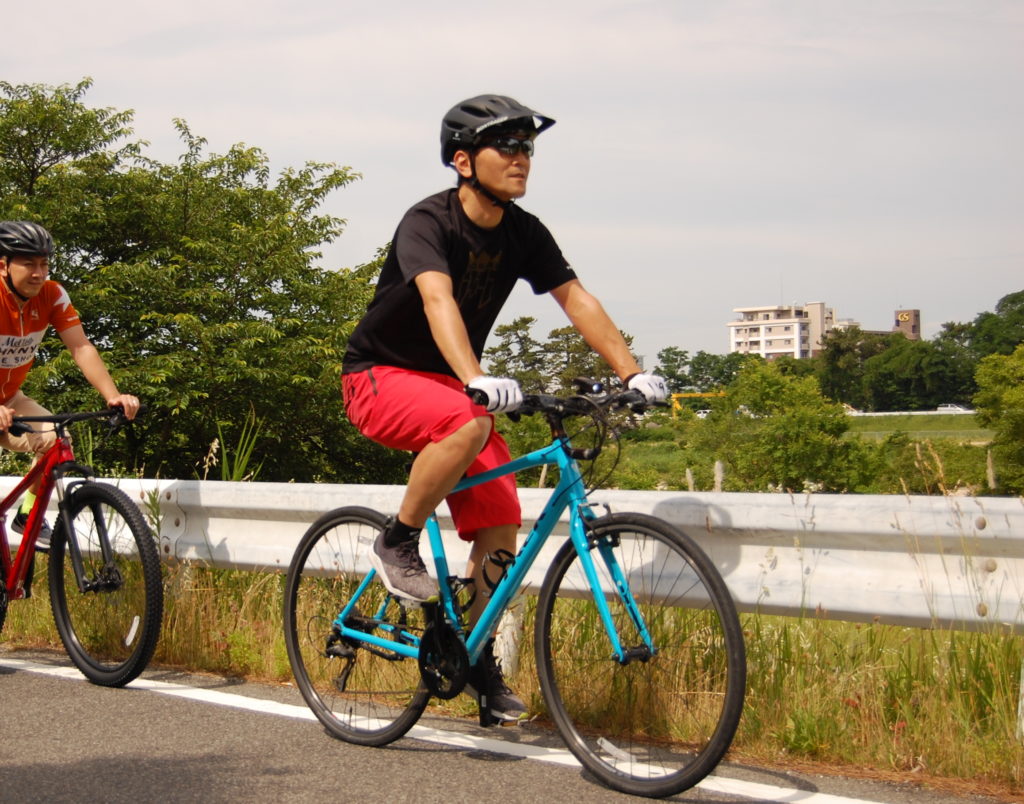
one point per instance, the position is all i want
(476, 287)
(17, 350)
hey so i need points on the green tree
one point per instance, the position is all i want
(567, 356)
(908, 375)
(517, 354)
(673, 364)
(711, 372)
(953, 343)
(798, 366)
(199, 280)
(783, 435)
(46, 130)
(1002, 331)
(841, 364)
(1000, 405)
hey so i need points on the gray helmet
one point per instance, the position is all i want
(467, 121)
(24, 238)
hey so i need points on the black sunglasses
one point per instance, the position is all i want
(509, 146)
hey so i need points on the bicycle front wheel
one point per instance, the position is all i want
(362, 693)
(659, 723)
(110, 625)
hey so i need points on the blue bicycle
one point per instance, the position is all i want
(638, 648)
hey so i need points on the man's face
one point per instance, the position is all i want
(28, 274)
(502, 172)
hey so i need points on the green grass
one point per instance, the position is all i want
(937, 425)
(915, 704)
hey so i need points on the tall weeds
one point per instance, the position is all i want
(915, 701)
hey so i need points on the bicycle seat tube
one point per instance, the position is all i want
(569, 492)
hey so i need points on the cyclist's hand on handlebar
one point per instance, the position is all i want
(128, 403)
(496, 394)
(653, 387)
(6, 418)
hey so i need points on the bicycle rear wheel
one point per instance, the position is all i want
(659, 724)
(110, 630)
(363, 694)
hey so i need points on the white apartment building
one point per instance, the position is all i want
(791, 330)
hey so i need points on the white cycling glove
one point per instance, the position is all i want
(651, 386)
(503, 393)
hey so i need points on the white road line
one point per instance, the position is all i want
(556, 756)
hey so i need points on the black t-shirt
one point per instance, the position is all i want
(484, 265)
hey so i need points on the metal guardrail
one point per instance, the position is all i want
(954, 562)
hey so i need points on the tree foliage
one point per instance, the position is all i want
(841, 364)
(909, 375)
(776, 431)
(673, 364)
(199, 282)
(1002, 331)
(1000, 405)
(548, 367)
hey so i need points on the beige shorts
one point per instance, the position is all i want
(37, 442)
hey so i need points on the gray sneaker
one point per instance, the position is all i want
(402, 570)
(45, 531)
(501, 703)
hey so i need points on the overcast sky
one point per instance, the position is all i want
(707, 155)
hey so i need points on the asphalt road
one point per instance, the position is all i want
(174, 737)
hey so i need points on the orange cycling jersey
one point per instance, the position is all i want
(22, 330)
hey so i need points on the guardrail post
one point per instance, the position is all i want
(1020, 707)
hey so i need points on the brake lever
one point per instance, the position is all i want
(118, 420)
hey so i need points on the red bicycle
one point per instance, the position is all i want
(105, 584)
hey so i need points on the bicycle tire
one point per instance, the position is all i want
(111, 631)
(647, 728)
(377, 696)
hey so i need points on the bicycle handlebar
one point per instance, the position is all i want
(115, 415)
(583, 404)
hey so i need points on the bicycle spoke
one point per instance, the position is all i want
(364, 693)
(110, 629)
(651, 726)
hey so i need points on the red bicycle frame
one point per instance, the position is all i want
(17, 570)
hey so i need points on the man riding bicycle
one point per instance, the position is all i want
(29, 304)
(416, 353)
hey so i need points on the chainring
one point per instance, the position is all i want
(443, 661)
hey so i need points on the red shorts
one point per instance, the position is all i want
(407, 410)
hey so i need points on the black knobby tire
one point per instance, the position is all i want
(363, 696)
(655, 727)
(110, 631)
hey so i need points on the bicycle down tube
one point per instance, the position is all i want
(568, 493)
(44, 470)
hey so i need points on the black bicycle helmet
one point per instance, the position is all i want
(467, 121)
(24, 238)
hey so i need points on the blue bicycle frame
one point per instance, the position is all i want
(568, 493)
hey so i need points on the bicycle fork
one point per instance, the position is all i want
(108, 578)
(587, 542)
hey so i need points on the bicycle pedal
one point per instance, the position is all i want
(488, 719)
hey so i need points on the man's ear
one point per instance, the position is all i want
(463, 164)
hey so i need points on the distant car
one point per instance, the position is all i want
(949, 407)
(702, 414)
